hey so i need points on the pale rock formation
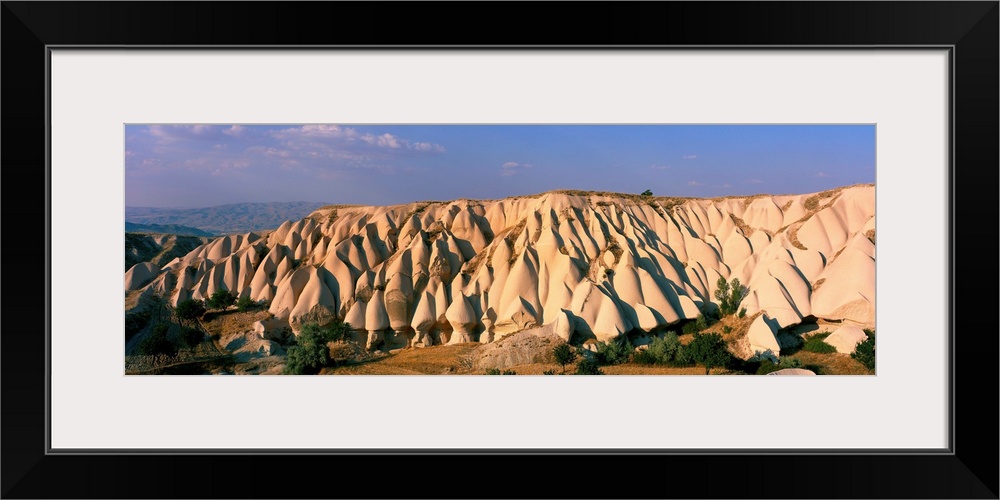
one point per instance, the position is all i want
(376, 320)
(590, 265)
(762, 336)
(140, 275)
(462, 319)
(424, 321)
(846, 338)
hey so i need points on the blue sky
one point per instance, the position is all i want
(207, 165)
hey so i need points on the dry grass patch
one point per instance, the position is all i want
(793, 237)
(227, 325)
(473, 265)
(436, 360)
(229, 321)
(747, 230)
(830, 364)
(634, 369)
(615, 248)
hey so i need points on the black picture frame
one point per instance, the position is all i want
(970, 29)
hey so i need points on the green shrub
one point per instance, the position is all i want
(189, 310)
(709, 350)
(247, 304)
(134, 323)
(727, 329)
(588, 367)
(666, 350)
(691, 327)
(509, 372)
(646, 193)
(156, 306)
(310, 352)
(549, 372)
(191, 337)
(564, 355)
(644, 357)
(729, 295)
(864, 352)
(308, 355)
(493, 371)
(156, 341)
(742, 314)
(768, 365)
(616, 352)
(220, 300)
(816, 343)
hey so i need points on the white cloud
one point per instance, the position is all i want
(689, 157)
(513, 167)
(270, 152)
(335, 136)
(234, 131)
(823, 174)
(695, 183)
(753, 181)
(426, 146)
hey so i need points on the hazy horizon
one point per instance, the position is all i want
(200, 166)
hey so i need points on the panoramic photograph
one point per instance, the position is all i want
(361, 249)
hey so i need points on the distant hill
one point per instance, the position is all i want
(179, 230)
(238, 218)
(158, 249)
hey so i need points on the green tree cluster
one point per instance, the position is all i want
(708, 350)
(310, 352)
(615, 352)
(666, 350)
(220, 300)
(189, 310)
(729, 295)
(588, 366)
(247, 304)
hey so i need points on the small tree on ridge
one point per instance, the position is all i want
(564, 355)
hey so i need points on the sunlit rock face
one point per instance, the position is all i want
(593, 265)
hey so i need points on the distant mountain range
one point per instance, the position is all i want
(177, 229)
(237, 218)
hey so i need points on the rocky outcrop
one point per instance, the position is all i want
(526, 347)
(595, 266)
